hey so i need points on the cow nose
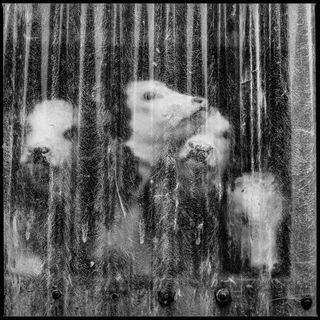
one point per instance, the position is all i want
(200, 146)
(41, 150)
(38, 154)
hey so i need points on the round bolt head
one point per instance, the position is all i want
(114, 296)
(223, 296)
(306, 302)
(56, 294)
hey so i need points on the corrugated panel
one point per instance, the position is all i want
(88, 243)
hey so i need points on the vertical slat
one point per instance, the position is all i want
(233, 66)
(204, 47)
(102, 138)
(232, 113)
(212, 55)
(165, 249)
(67, 180)
(259, 98)
(56, 49)
(106, 196)
(123, 53)
(197, 84)
(28, 20)
(78, 218)
(45, 37)
(159, 63)
(265, 62)
(136, 45)
(71, 37)
(7, 156)
(218, 36)
(180, 14)
(211, 227)
(7, 12)
(137, 25)
(28, 17)
(170, 64)
(264, 283)
(150, 11)
(18, 216)
(58, 243)
(245, 80)
(246, 86)
(60, 209)
(150, 40)
(116, 130)
(303, 166)
(280, 147)
(143, 50)
(189, 43)
(33, 202)
(87, 169)
(57, 81)
(251, 101)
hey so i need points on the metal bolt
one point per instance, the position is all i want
(223, 296)
(306, 302)
(56, 294)
(114, 296)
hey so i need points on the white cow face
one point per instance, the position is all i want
(155, 110)
(51, 128)
(212, 144)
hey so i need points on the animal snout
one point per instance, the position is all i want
(200, 101)
(200, 146)
(39, 154)
(199, 151)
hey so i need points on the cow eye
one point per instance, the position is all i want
(226, 134)
(149, 95)
(70, 133)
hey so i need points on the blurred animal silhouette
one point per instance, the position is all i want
(256, 207)
(46, 159)
(156, 110)
(211, 144)
(52, 126)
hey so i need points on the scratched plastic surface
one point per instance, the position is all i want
(253, 62)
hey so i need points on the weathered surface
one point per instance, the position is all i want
(253, 62)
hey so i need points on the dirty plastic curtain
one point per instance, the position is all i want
(254, 62)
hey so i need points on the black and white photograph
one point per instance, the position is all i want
(159, 159)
